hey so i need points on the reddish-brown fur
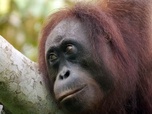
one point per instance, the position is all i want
(125, 24)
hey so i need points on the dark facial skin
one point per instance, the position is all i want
(68, 51)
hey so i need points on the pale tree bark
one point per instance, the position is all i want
(22, 88)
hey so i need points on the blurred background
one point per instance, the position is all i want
(21, 22)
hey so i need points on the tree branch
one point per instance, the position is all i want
(22, 88)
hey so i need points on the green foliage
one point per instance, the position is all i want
(21, 21)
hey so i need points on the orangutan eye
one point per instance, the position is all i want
(53, 57)
(70, 49)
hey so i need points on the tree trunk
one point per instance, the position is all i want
(22, 88)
